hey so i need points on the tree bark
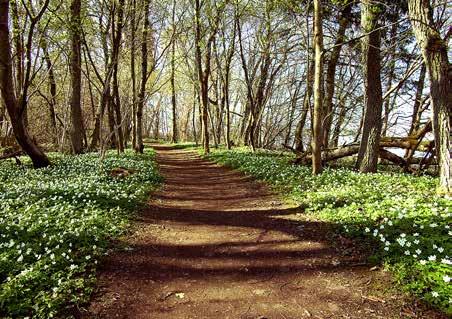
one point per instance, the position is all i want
(318, 90)
(392, 64)
(19, 51)
(144, 72)
(417, 110)
(371, 134)
(37, 156)
(115, 60)
(174, 138)
(434, 52)
(417, 113)
(52, 91)
(133, 74)
(340, 121)
(76, 131)
(344, 20)
(2, 115)
(306, 107)
(226, 84)
(203, 72)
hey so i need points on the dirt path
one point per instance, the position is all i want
(213, 243)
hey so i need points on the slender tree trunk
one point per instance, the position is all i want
(293, 107)
(226, 85)
(52, 91)
(96, 135)
(37, 156)
(416, 117)
(2, 114)
(340, 121)
(417, 111)
(318, 91)
(115, 60)
(344, 20)
(113, 134)
(19, 53)
(174, 137)
(370, 139)
(116, 104)
(387, 107)
(195, 98)
(76, 79)
(434, 52)
(306, 107)
(205, 116)
(144, 72)
(133, 74)
(186, 129)
(203, 76)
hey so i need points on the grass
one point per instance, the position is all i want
(55, 223)
(404, 218)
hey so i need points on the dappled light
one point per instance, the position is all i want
(242, 159)
(236, 241)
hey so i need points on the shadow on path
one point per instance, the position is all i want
(214, 243)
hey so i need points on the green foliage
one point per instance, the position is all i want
(402, 215)
(55, 224)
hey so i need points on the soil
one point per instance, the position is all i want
(214, 243)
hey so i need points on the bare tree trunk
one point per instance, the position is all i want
(112, 137)
(416, 116)
(226, 85)
(2, 115)
(144, 72)
(115, 60)
(52, 91)
(340, 121)
(174, 137)
(417, 111)
(344, 20)
(37, 156)
(392, 60)
(306, 107)
(19, 53)
(293, 106)
(370, 139)
(318, 90)
(96, 135)
(133, 74)
(76, 79)
(203, 74)
(195, 98)
(434, 52)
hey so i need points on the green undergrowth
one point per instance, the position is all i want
(184, 146)
(401, 214)
(56, 222)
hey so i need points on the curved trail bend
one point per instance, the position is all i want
(214, 243)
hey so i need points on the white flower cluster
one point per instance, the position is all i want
(55, 221)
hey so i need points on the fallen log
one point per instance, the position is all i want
(11, 155)
(413, 142)
(394, 158)
(335, 154)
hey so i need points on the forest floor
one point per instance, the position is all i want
(214, 243)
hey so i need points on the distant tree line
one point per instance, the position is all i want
(325, 79)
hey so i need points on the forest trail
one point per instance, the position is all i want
(214, 243)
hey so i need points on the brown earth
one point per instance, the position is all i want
(214, 243)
